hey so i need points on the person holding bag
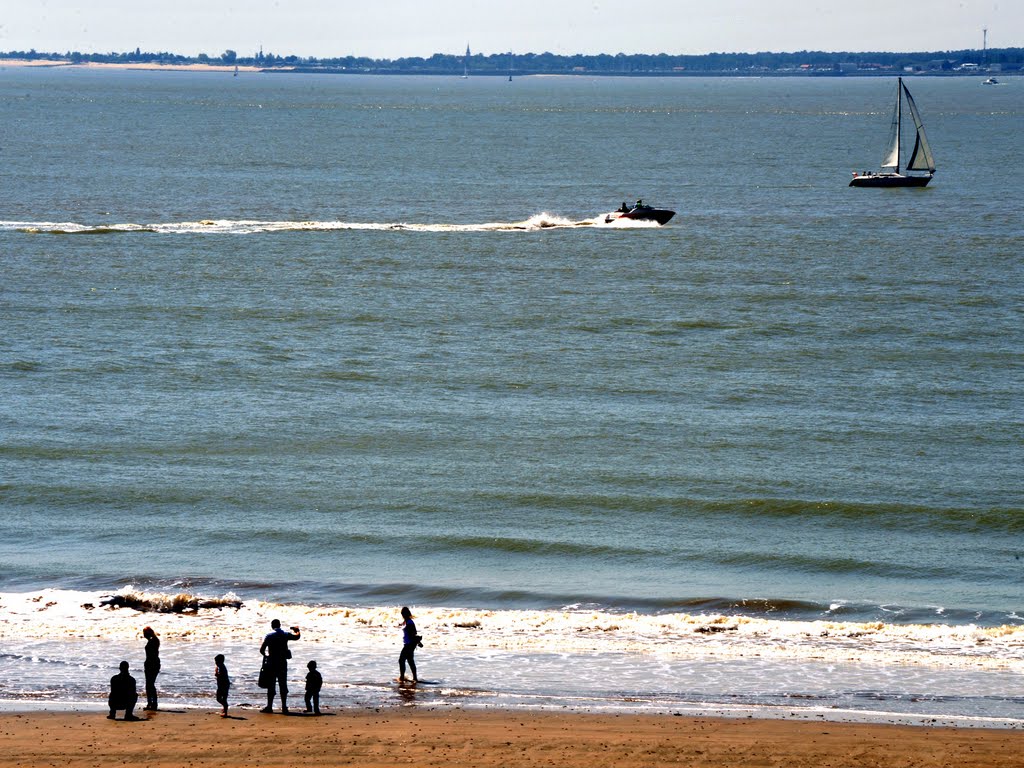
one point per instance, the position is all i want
(275, 664)
(410, 640)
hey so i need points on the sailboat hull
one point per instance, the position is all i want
(889, 180)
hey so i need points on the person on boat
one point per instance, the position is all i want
(639, 204)
(275, 649)
(623, 208)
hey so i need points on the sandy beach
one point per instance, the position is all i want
(457, 737)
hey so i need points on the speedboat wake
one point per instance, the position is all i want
(535, 223)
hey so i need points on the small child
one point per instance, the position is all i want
(314, 682)
(223, 682)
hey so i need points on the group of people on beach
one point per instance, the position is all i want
(273, 672)
(123, 692)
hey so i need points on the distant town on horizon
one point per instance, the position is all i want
(820, 63)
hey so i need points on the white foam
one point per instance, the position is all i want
(537, 222)
(52, 614)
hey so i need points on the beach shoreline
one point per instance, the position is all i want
(401, 735)
(140, 65)
(61, 649)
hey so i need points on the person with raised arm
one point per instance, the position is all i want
(276, 654)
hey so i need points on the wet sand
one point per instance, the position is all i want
(401, 736)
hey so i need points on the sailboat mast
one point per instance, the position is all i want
(899, 119)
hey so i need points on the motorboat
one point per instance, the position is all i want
(639, 212)
(990, 81)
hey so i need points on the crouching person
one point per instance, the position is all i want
(123, 694)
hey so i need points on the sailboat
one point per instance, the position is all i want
(465, 64)
(920, 159)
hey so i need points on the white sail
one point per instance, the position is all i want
(921, 159)
(892, 154)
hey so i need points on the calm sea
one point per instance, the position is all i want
(330, 345)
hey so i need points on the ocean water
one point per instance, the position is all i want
(317, 347)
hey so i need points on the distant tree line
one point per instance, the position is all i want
(801, 62)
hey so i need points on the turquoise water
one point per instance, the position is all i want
(354, 342)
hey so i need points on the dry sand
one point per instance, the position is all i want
(453, 737)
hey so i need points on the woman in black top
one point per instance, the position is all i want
(152, 666)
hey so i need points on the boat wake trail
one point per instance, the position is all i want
(535, 223)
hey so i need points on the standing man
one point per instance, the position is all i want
(275, 649)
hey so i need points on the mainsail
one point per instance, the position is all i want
(892, 154)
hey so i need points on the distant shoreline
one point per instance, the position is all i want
(300, 70)
(142, 65)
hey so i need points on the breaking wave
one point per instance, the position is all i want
(574, 629)
(182, 602)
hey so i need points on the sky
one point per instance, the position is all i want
(397, 28)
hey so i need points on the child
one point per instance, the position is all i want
(314, 682)
(223, 682)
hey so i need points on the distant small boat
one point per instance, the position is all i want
(640, 212)
(236, 70)
(991, 81)
(920, 159)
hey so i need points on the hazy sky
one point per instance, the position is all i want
(393, 28)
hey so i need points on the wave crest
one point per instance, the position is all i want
(158, 602)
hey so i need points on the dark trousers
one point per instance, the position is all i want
(313, 701)
(127, 703)
(280, 672)
(407, 656)
(151, 673)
